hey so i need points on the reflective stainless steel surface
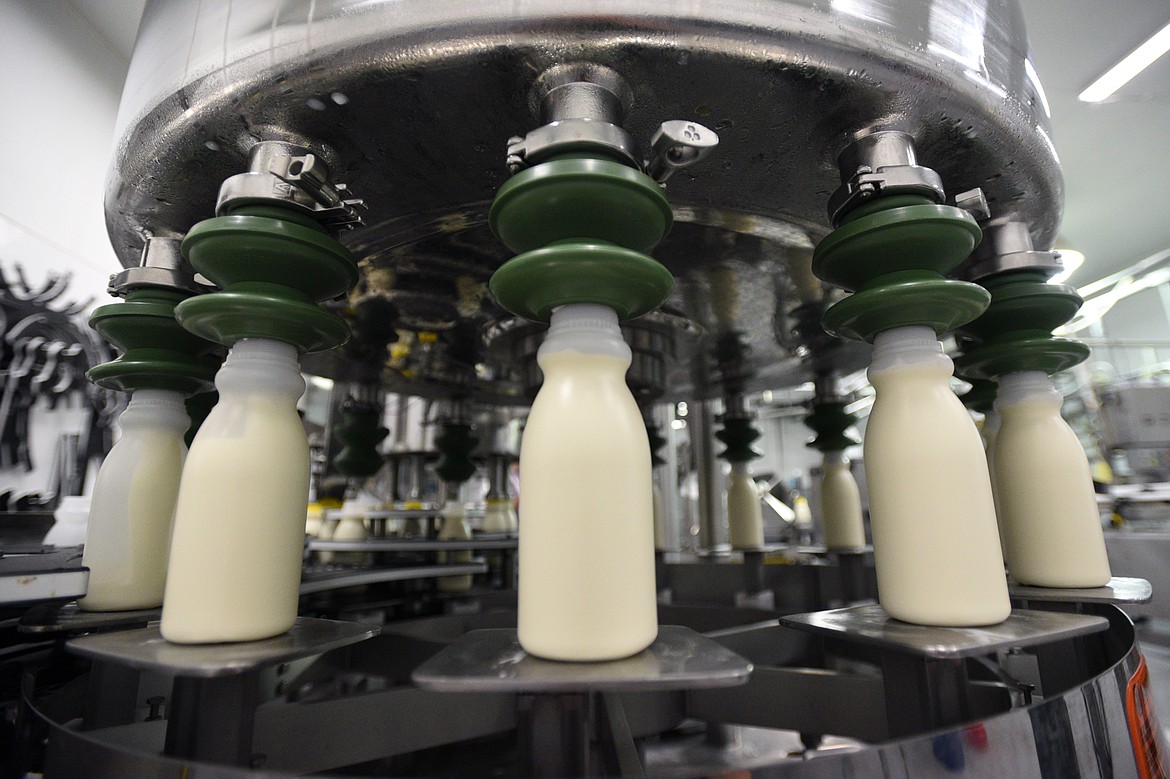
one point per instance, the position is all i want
(1120, 590)
(871, 625)
(71, 619)
(493, 661)
(146, 649)
(1080, 731)
(325, 580)
(411, 103)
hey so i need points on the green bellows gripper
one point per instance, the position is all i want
(581, 225)
(373, 326)
(359, 433)
(657, 441)
(1015, 333)
(830, 421)
(156, 352)
(272, 265)
(893, 253)
(455, 442)
(737, 435)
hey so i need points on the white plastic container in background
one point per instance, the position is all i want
(352, 527)
(1048, 508)
(133, 505)
(586, 588)
(454, 527)
(660, 543)
(932, 516)
(841, 515)
(499, 516)
(314, 519)
(745, 518)
(239, 525)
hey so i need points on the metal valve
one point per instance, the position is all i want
(162, 266)
(882, 162)
(581, 107)
(292, 176)
(974, 202)
(309, 174)
(678, 144)
(1007, 246)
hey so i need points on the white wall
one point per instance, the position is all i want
(1140, 317)
(60, 92)
(60, 86)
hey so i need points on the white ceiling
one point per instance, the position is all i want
(1116, 155)
(115, 20)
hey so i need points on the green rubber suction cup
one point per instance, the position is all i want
(577, 198)
(581, 225)
(1038, 353)
(272, 265)
(892, 234)
(738, 434)
(360, 433)
(536, 282)
(1023, 301)
(262, 310)
(905, 299)
(830, 421)
(455, 443)
(893, 252)
(1015, 333)
(156, 352)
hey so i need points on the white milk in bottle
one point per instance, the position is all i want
(133, 504)
(1051, 525)
(352, 527)
(239, 526)
(586, 587)
(499, 516)
(454, 527)
(745, 522)
(841, 505)
(932, 516)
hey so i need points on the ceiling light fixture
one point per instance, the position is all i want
(1134, 63)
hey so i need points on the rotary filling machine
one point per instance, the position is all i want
(394, 124)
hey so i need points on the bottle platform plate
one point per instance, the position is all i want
(493, 661)
(870, 624)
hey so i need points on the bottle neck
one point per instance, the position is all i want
(261, 366)
(153, 408)
(586, 328)
(904, 349)
(1023, 387)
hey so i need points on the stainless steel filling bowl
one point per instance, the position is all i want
(411, 104)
